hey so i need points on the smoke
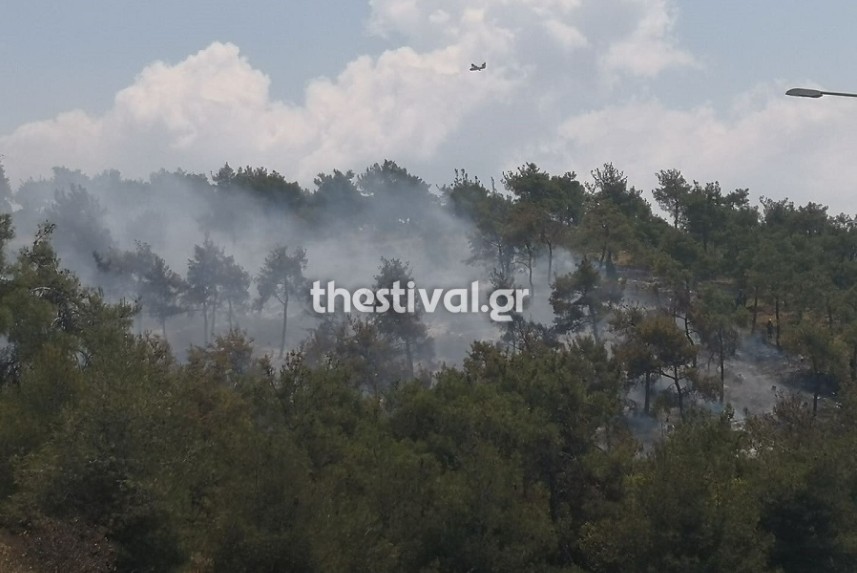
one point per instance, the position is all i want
(347, 223)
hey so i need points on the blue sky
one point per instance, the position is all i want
(310, 86)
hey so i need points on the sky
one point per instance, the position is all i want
(309, 86)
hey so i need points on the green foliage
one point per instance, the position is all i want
(78, 217)
(115, 456)
(718, 320)
(611, 186)
(806, 481)
(280, 278)
(339, 199)
(403, 198)
(490, 242)
(271, 187)
(672, 195)
(403, 330)
(465, 196)
(212, 278)
(546, 209)
(653, 346)
(581, 299)
(146, 277)
(826, 357)
(360, 348)
(691, 506)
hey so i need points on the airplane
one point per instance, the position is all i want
(475, 68)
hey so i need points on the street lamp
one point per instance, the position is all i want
(806, 92)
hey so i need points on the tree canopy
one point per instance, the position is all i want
(357, 446)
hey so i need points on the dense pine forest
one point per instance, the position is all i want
(677, 396)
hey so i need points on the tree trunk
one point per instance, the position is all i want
(213, 317)
(648, 388)
(530, 269)
(550, 263)
(687, 330)
(285, 324)
(722, 374)
(680, 394)
(680, 398)
(755, 309)
(410, 357)
(593, 317)
(777, 314)
(816, 392)
(688, 336)
(205, 324)
(816, 379)
(229, 312)
(553, 495)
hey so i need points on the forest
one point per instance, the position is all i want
(678, 394)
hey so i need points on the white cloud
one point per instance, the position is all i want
(778, 147)
(567, 36)
(650, 48)
(214, 106)
(543, 98)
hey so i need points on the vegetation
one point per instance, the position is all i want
(356, 452)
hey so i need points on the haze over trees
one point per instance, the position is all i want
(602, 429)
(403, 330)
(281, 278)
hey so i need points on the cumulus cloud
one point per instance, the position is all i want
(407, 103)
(649, 48)
(215, 106)
(776, 146)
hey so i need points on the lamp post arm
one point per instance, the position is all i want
(813, 93)
(842, 94)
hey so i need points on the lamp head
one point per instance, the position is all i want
(804, 92)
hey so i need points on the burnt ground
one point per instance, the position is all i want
(756, 378)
